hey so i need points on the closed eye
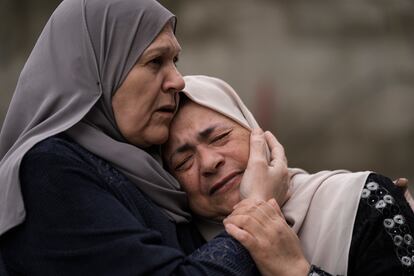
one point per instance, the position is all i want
(183, 164)
(219, 138)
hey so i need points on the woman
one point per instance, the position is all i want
(81, 188)
(348, 223)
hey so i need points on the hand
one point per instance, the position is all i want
(265, 179)
(261, 228)
(403, 183)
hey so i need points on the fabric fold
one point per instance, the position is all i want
(323, 206)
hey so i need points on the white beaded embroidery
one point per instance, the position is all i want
(389, 223)
(398, 240)
(399, 219)
(389, 199)
(408, 239)
(406, 261)
(372, 186)
(380, 204)
(365, 193)
(394, 222)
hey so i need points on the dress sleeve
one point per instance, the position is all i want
(382, 241)
(317, 271)
(74, 226)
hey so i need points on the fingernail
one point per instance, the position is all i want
(260, 201)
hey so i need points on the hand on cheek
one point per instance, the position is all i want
(265, 179)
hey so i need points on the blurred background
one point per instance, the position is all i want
(334, 80)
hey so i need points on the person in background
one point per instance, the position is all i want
(348, 223)
(82, 188)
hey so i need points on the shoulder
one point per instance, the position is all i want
(59, 146)
(57, 162)
(60, 153)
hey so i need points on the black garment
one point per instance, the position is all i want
(382, 240)
(85, 218)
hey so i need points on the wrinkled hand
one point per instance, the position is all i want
(265, 179)
(403, 183)
(261, 228)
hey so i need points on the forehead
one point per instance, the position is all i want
(191, 120)
(193, 117)
(165, 41)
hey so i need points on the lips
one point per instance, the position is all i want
(225, 183)
(167, 108)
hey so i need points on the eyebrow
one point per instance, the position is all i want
(202, 136)
(162, 50)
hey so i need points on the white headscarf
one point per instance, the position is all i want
(83, 54)
(323, 206)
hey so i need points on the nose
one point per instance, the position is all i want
(210, 161)
(174, 82)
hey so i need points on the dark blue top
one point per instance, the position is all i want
(85, 218)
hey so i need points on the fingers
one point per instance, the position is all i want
(401, 182)
(254, 213)
(262, 180)
(269, 207)
(277, 152)
(272, 202)
(257, 146)
(259, 209)
(244, 237)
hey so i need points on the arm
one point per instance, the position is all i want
(76, 225)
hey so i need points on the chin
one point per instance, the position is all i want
(230, 200)
(158, 136)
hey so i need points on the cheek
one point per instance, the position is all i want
(188, 182)
(241, 151)
(143, 95)
(197, 202)
(244, 145)
(131, 122)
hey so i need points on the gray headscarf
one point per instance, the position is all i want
(82, 56)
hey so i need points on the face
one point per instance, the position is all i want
(208, 153)
(145, 103)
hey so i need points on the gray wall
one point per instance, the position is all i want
(334, 80)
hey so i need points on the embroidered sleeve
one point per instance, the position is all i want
(382, 240)
(316, 271)
(225, 251)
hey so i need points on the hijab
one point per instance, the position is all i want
(323, 206)
(82, 56)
